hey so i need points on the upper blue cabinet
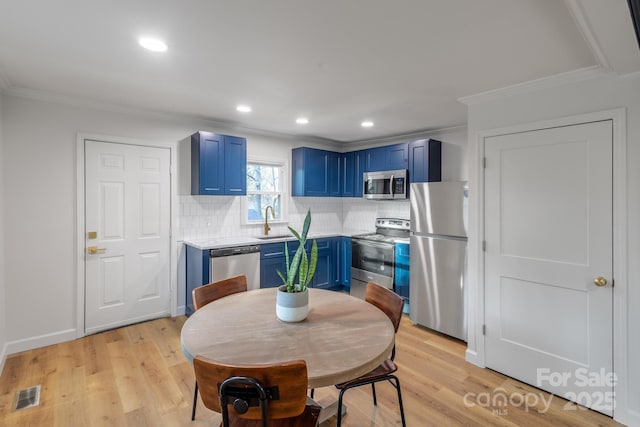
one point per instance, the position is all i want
(347, 174)
(323, 173)
(218, 164)
(425, 160)
(389, 157)
(315, 173)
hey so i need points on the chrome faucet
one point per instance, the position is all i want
(266, 219)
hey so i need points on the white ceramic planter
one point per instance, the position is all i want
(292, 307)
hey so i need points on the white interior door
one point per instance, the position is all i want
(127, 217)
(548, 231)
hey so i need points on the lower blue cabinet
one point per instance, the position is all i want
(344, 262)
(269, 272)
(197, 274)
(272, 259)
(402, 270)
(327, 270)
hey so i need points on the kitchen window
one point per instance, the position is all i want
(265, 187)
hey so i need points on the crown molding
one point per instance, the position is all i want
(196, 120)
(576, 9)
(549, 82)
(423, 134)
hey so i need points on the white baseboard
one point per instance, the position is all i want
(39, 341)
(3, 357)
(472, 357)
(179, 311)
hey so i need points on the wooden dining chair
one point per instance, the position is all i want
(257, 395)
(391, 304)
(205, 294)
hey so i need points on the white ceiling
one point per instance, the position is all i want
(403, 64)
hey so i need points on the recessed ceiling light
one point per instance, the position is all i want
(302, 120)
(153, 45)
(366, 124)
(243, 108)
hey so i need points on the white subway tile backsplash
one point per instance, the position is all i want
(220, 216)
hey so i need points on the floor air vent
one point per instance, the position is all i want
(27, 398)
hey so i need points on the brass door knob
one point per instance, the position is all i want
(92, 250)
(600, 281)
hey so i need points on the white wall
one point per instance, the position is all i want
(39, 202)
(3, 318)
(594, 95)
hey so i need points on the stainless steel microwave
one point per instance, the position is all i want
(385, 185)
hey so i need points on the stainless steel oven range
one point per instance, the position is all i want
(373, 255)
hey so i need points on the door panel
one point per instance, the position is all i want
(127, 199)
(548, 231)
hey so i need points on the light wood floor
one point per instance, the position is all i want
(137, 376)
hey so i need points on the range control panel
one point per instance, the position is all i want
(395, 223)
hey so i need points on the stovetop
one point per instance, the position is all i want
(388, 230)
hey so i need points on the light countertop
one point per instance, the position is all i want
(228, 242)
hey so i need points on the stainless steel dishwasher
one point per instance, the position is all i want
(235, 261)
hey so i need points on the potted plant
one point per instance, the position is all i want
(292, 301)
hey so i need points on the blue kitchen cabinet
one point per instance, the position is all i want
(218, 164)
(388, 157)
(359, 167)
(375, 159)
(323, 173)
(314, 173)
(197, 274)
(347, 174)
(269, 272)
(396, 156)
(235, 165)
(272, 259)
(402, 269)
(328, 268)
(335, 174)
(344, 262)
(425, 160)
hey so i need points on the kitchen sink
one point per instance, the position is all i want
(275, 236)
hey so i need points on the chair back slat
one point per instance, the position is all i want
(205, 294)
(387, 301)
(290, 378)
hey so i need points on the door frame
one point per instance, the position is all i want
(475, 352)
(80, 220)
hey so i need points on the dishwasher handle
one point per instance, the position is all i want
(236, 250)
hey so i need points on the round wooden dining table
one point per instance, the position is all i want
(342, 337)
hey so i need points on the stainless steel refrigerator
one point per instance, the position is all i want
(438, 267)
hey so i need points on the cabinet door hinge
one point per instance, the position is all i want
(484, 162)
(484, 246)
(484, 329)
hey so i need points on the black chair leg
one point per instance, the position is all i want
(397, 386)
(373, 391)
(195, 402)
(339, 415)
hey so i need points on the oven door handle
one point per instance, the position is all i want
(391, 185)
(373, 243)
